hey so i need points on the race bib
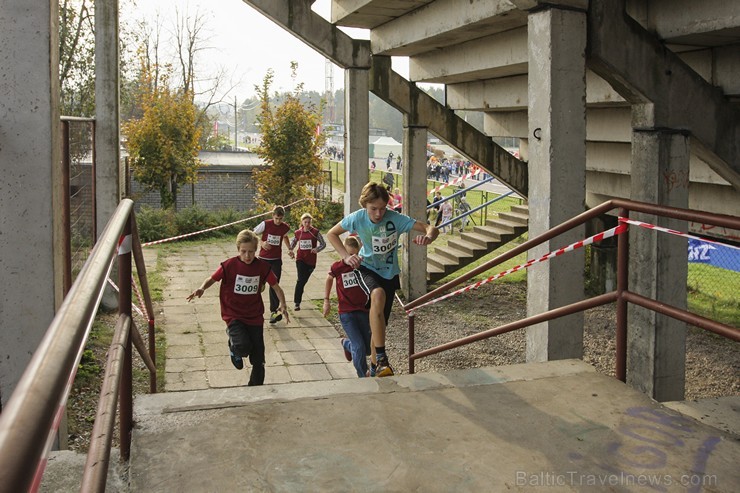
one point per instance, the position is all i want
(305, 245)
(384, 244)
(349, 280)
(247, 284)
(273, 240)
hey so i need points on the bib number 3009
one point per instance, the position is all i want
(246, 284)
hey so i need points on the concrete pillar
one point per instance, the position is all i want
(656, 344)
(30, 194)
(107, 96)
(108, 184)
(357, 130)
(414, 257)
(557, 174)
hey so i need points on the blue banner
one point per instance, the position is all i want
(713, 254)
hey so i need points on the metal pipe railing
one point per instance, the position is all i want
(471, 211)
(29, 420)
(621, 296)
(28, 417)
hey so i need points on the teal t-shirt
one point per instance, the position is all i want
(379, 241)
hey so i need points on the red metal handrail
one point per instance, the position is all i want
(622, 296)
(28, 419)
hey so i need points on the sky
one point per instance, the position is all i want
(248, 44)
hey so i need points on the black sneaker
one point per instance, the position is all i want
(276, 317)
(237, 361)
(297, 307)
(384, 368)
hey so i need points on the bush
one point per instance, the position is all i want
(332, 212)
(226, 216)
(155, 224)
(194, 219)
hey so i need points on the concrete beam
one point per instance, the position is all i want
(680, 97)
(708, 22)
(444, 23)
(369, 14)
(442, 122)
(498, 55)
(296, 17)
(510, 94)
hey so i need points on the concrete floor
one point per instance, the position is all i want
(556, 426)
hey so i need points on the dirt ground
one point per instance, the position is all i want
(712, 362)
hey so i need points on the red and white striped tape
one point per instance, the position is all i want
(593, 239)
(455, 181)
(626, 220)
(136, 308)
(187, 235)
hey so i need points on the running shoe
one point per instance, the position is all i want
(275, 317)
(345, 343)
(237, 361)
(384, 368)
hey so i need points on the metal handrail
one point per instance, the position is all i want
(471, 211)
(29, 419)
(622, 296)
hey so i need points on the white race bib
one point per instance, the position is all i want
(305, 244)
(384, 244)
(273, 240)
(247, 284)
(349, 280)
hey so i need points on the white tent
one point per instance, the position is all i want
(380, 148)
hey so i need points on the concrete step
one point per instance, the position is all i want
(466, 247)
(486, 241)
(482, 429)
(515, 217)
(453, 252)
(521, 209)
(505, 224)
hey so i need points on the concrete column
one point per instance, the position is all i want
(30, 193)
(557, 174)
(656, 344)
(108, 177)
(357, 130)
(414, 257)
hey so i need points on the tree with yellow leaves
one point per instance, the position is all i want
(291, 144)
(163, 143)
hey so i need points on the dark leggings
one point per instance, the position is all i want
(304, 273)
(247, 340)
(277, 268)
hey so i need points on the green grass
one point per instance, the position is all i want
(713, 293)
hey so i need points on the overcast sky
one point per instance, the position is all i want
(248, 43)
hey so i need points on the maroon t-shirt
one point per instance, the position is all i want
(306, 241)
(350, 295)
(273, 235)
(241, 289)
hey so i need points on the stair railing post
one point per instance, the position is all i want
(125, 398)
(410, 317)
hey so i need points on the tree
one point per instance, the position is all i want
(290, 146)
(163, 143)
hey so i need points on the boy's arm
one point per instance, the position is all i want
(281, 296)
(327, 294)
(430, 233)
(207, 283)
(287, 244)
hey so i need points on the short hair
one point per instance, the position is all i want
(305, 215)
(352, 241)
(246, 236)
(279, 211)
(373, 191)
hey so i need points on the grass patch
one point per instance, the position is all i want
(713, 293)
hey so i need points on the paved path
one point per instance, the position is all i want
(306, 349)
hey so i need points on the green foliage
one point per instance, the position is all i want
(155, 224)
(163, 143)
(712, 293)
(290, 146)
(158, 224)
(332, 213)
(194, 219)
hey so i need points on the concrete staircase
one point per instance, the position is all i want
(471, 246)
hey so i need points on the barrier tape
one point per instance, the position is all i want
(673, 232)
(186, 235)
(455, 181)
(136, 308)
(150, 316)
(617, 230)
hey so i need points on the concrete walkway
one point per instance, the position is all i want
(306, 349)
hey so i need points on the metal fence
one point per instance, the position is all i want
(714, 276)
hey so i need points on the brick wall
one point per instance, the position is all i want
(218, 187)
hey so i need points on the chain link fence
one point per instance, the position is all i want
(714, 281)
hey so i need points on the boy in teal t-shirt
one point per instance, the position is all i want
(379, 229)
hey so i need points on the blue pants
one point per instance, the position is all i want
(357, 327)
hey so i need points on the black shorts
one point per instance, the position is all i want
(370, 280)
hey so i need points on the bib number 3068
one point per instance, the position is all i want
(385, 244)
(247, 284)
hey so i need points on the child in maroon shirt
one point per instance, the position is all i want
(309, 242)
(273, 234)
(242, 280)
